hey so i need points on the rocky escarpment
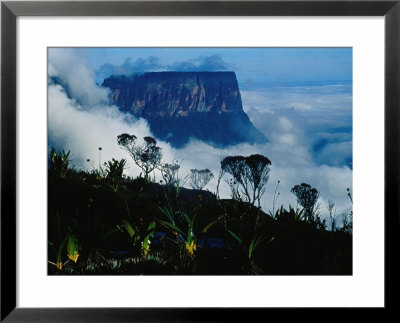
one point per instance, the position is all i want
(181, 105)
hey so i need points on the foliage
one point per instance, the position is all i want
(139, 235)
(169, 173)
(91, 233)
(59, 163)
(348, 218)
(139, 227)
(114, 170)
(189, 239)
(200, 178)
(58, 248)
(147, 156)
(235, 166)
(72, 248)
(250, 249)
(307, 197)
(347, 223)
(249, 176)
(234, 187)
(291, 215)
(59, 253)
(69, 246)
(258, 174)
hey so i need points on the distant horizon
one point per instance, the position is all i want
(272, 64)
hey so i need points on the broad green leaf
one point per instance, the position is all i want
(59, 253)
(129, 228)
(255, 242)
(167, 212)
(171, 226)
(72, 248)
(146, 245)
(188, 219)
(146, 241)
(151, 226)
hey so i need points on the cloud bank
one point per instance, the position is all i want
(152, 64)
(80, 120)
(318, 117)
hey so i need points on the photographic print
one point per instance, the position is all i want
(200, 161)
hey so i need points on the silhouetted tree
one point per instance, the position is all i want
(128, 142)
(235, 166)
(258, 175)
(307, 197)
(200, 178)
(147, 156)
(169, 173)
(250, 173)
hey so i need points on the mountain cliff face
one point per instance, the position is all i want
(180, 105)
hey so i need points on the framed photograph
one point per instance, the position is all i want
(195, 156)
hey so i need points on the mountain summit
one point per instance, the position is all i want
(180, 105)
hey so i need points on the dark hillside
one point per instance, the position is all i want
(81, 204)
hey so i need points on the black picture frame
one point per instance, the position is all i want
(10, 10)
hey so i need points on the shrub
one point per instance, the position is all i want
(200, 178)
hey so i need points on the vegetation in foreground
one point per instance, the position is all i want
(102, 222)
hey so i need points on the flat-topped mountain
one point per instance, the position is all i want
(180, 105)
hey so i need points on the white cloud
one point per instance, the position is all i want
(316, 118)
(74, 71)
(285, 124)
(83, 131)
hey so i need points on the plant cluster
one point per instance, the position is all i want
(104, 222)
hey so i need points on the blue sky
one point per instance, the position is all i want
(260, 65)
